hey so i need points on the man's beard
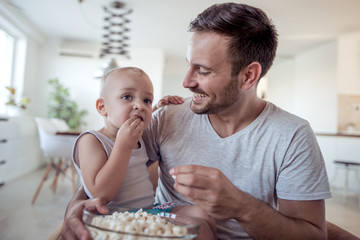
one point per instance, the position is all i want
(229, 95)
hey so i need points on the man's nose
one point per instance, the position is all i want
(189, 80)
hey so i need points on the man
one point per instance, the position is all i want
(254, 156)
(252, 166)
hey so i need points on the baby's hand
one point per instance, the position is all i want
(168, 100)
(130, 132)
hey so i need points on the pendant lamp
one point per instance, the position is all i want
(114, 37)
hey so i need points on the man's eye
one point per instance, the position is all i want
(203, 73)
(127, 97)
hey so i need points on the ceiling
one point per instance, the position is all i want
(162, 24)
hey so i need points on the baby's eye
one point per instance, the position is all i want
(148, 101)
(126, 97)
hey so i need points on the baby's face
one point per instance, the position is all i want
(127, 94)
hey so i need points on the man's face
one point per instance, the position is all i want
(209, 74)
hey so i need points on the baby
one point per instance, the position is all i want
(112, 161)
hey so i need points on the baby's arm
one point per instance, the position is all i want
(104, 177)
(168, 100)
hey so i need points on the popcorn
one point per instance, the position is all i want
(139, 222)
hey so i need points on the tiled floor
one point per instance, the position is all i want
(21, 220)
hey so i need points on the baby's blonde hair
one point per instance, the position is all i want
(110, 73)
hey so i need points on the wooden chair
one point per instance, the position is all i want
(56, 142)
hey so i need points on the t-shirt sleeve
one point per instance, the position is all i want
(302, 175)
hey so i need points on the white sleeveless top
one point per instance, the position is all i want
(136, 189)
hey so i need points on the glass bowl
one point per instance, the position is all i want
(99, 231)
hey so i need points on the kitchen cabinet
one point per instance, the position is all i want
(19, 147)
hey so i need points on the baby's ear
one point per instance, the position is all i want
(100, 107)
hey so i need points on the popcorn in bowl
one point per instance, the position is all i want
(139, 224)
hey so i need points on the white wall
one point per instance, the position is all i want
(315, 89)
(348, 71)
(32, 86)
(280, 87)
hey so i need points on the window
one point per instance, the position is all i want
(7, 43)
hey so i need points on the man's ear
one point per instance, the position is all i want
(251, 75)
(100, 107)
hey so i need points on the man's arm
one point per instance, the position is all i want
(73, 227)
(211, 190)
(337, 233)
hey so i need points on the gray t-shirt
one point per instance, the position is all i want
(276, 156)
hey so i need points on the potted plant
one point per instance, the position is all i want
(61, 106)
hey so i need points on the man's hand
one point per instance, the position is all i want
(168, 100)
(73, 227)
(208, 188)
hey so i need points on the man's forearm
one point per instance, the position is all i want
(261, 221)
(335, 233)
